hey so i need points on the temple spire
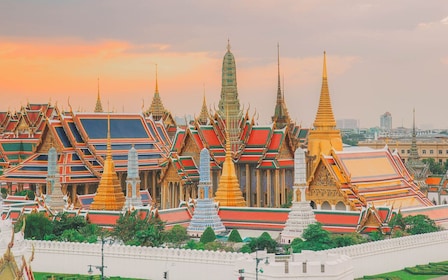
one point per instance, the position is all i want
(109, 195)
(98, 106)
(156, 109)
(281, 116)
(229, 192)
(413, 153)
(324, 137)
(204, 116)
(324, 117)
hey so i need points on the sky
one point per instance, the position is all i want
(381, 56)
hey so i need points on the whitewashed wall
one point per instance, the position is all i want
(150, 263)
(395, 254)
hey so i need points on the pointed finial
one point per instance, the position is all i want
(324, 72)
(228, 44)
(157, 84)
(98, 88)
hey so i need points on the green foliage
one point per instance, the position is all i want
(352, 139)
(316, 238)
(376, 235)
(235, 236)
(38, 225)
(264, 242)
(176, 235)
(342, 240)
(132, 229)
(28, 193)
(435, 167)
(419, 224)
(208, 235)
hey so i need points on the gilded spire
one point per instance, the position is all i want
(229, 192)
(324, 118)
(98, 106)
(324, 137)
(156, 109)
(109, 195)
(281, 116)
(204, 116)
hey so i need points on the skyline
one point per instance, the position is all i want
(381, 56)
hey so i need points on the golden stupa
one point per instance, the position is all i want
(109, 195)
(229, 192)
(324, 136)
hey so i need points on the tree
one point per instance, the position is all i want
(29, 193)
(132, 229)
(208, 235)
(348, 239)
(235, 236)
(264, 242)
(419, 224)
(435, 167)
(176, 235)
(316, 239)
(37, 227)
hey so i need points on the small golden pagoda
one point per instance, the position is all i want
(324, 136)
(98, 106)
(229, 192)
(109, 195)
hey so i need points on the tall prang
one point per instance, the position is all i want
(205, 212)
(98, 106)
(301, 215)
(281, 116)
(416, 167)
(229, 104)
(109, 195)
(133, 197)
(54, 197)
(204, 116)
(324, 137)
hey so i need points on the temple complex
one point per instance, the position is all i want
(205, 212)
(262, 154)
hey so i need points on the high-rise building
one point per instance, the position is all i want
(386, 121)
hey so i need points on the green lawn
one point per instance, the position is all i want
(55, 276)
(424, 270)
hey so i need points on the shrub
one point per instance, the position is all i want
(235, 236)
(208, 235)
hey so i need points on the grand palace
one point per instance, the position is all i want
(251, 165)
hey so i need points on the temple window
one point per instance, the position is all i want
(424, 152)
(440, 152)
(431, 152)
(402, 151)
(340, 206)
(325, 206)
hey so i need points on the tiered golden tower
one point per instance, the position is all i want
(109, 195)
(229, 192)
(98, 106)
(324, 136)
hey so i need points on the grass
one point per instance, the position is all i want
(56, 276)
(405, 275)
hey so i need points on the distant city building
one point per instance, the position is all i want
(346, 124)
(386, 121)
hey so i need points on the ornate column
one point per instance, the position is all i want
(154, 193)
(258, 188)
(283, 187)
(277, 188)
(248, 189)
(268, 188)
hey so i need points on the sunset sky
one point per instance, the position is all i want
(381, 55)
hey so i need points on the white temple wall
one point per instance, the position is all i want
(150, 263)
(397, 253)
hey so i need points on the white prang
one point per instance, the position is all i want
(301, 215)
